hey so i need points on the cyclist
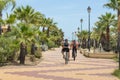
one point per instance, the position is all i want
(74, 46)
(65, 48)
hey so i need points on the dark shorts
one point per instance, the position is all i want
(65, 50)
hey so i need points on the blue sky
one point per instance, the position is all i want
(67, 13)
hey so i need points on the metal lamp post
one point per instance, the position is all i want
(78, 34)
(81, 20)
(72, 35)
(78, 29)
(75, 35)
(89, 10)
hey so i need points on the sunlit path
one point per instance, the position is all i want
(53, 68)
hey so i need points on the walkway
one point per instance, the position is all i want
(53, 68)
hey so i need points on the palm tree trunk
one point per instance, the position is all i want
(1, 14)
(43, 29)
(119, 21)
(48, 30)
(118, 42)
(107, 34)
(107, 37)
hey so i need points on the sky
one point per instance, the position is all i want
(67, 13)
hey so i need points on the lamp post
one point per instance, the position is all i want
(81, 20)
(78, 34)
(72, 35)
(89, 10)
(78, 29)
(75, 35)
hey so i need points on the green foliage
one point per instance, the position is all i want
(51, 44)
(27, 23)
(4, 4)
(116, 73)
(7, 48)
(38, 54)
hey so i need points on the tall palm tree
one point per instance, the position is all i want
(51, 26)
(28, 15)
(44, 24)
(84, 37)
(115, 5)
(4, 4)
(107, 20)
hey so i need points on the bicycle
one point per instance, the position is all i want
(74, 54)
(66, 58)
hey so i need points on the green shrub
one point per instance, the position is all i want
(116, 73)
(7, 48)
(51, 44)
(38, 54)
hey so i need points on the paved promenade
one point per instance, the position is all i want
(53, 68)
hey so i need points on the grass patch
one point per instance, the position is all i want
(116, 73)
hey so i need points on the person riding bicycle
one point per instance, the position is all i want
(74, 47)
(65, 48)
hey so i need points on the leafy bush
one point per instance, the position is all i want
(51, 44)
(38, 53)
(7, 48)
(116, 73)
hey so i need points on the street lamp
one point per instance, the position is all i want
(72, 35)
(81, 20)
(89, 10)
(78, 29)
(75, 35)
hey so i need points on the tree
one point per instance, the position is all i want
(51, 26)
(107, 20)
(84, 37)
(115, 5)
(10, 19)
(4, 4)
(28, 15)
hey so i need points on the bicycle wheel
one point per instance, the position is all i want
(74, 55)
(66, 58)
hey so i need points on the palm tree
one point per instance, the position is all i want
(84, 37)
(28, 15)
(10, 19)
(4, 4)
(107, 20)
(115, 5)
(44, 24)
(51, 26)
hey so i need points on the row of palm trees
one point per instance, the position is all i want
(103, 28)
(107, 28)
(27, 26)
